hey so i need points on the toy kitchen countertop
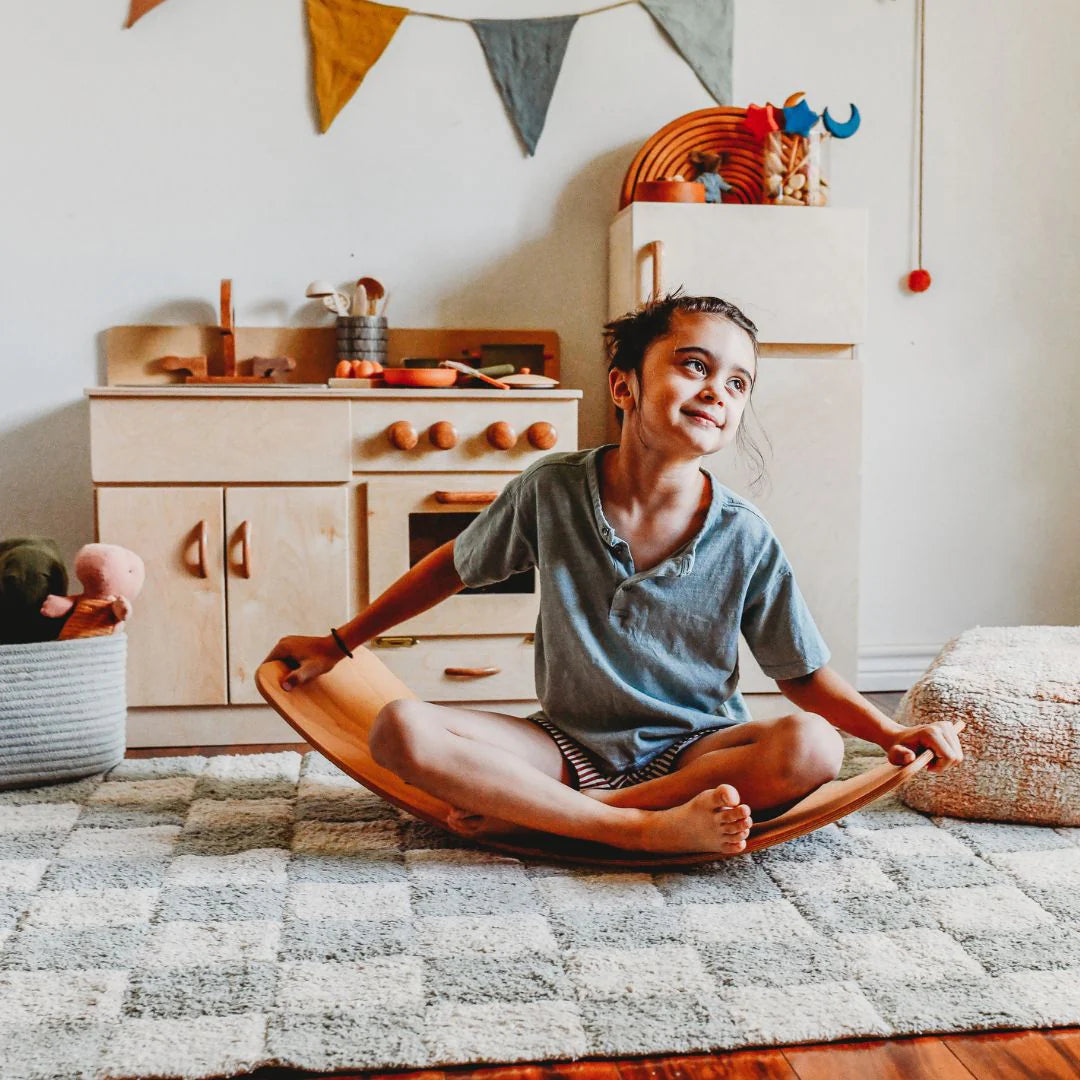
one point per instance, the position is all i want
(322, 390)
(314, 434)
(296, 433)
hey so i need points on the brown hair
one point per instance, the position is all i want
(627, 337)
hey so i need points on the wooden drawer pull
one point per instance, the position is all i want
(203, 537)
(245, 548)
(472, 672)
(466, 496)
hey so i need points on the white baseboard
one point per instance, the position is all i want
(893, 667)
(206, 726)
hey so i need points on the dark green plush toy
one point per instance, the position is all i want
(31, 568)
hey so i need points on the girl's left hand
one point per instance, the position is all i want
(941, 737)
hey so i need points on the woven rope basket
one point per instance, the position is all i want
(63, 708)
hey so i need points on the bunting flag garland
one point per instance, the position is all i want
(347, 37)
(138, 9)
(525, 56)
(702, 32)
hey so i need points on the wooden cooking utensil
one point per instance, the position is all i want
(466, 370)
(374, 291)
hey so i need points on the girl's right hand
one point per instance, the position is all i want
(309, 657)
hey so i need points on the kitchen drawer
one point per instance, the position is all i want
(373, 451)
(503, 667)
(184, 440)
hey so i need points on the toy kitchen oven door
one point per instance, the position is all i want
(408, 518)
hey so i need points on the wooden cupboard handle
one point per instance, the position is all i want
(472, 672)
(466, 496)
(656, 250)
(245, 548)
(203, 540)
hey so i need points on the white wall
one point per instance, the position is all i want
(144, 165)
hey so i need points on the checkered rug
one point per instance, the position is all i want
(193, 917)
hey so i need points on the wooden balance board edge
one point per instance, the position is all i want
(334, 713)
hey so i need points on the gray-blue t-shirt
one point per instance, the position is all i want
(627, 662)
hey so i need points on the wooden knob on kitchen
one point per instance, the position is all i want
(402, 435)
(443, 435)
(542, 435)
(501, 435)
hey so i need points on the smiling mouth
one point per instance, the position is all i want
(702, 418)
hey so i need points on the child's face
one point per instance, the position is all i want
(695, 382)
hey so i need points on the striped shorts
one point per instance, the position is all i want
(584, 768)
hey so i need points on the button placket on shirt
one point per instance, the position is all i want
(622, 600)
(677, 567)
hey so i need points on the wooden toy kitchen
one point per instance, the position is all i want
(264, 506)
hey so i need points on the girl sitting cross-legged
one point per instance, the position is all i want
(649, 570)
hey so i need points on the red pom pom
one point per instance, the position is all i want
(919, 280)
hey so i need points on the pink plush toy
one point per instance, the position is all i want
(111, 578)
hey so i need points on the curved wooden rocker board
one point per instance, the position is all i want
(334, 713)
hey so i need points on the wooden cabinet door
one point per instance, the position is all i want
(176, 636)
(802, 277)
(287, 572)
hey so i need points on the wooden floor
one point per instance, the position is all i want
(1013, 1055)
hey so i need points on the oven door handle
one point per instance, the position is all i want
(466, 496)
(471, 672)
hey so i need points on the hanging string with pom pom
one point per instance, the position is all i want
(919, 279)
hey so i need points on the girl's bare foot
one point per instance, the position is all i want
(714, 821)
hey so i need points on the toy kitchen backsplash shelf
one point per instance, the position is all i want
(267, 510)
(136, 354)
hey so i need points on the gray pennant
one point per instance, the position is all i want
(525, 56)
(702, 31)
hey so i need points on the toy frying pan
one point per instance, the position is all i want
(438, 376)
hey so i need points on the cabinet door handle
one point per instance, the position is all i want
(203, 539)
(472, 672)
(466, 496)
(656, 250)
(245, 548)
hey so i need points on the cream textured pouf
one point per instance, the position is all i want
(1018, 690)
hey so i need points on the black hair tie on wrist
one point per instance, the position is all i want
(340, 644)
